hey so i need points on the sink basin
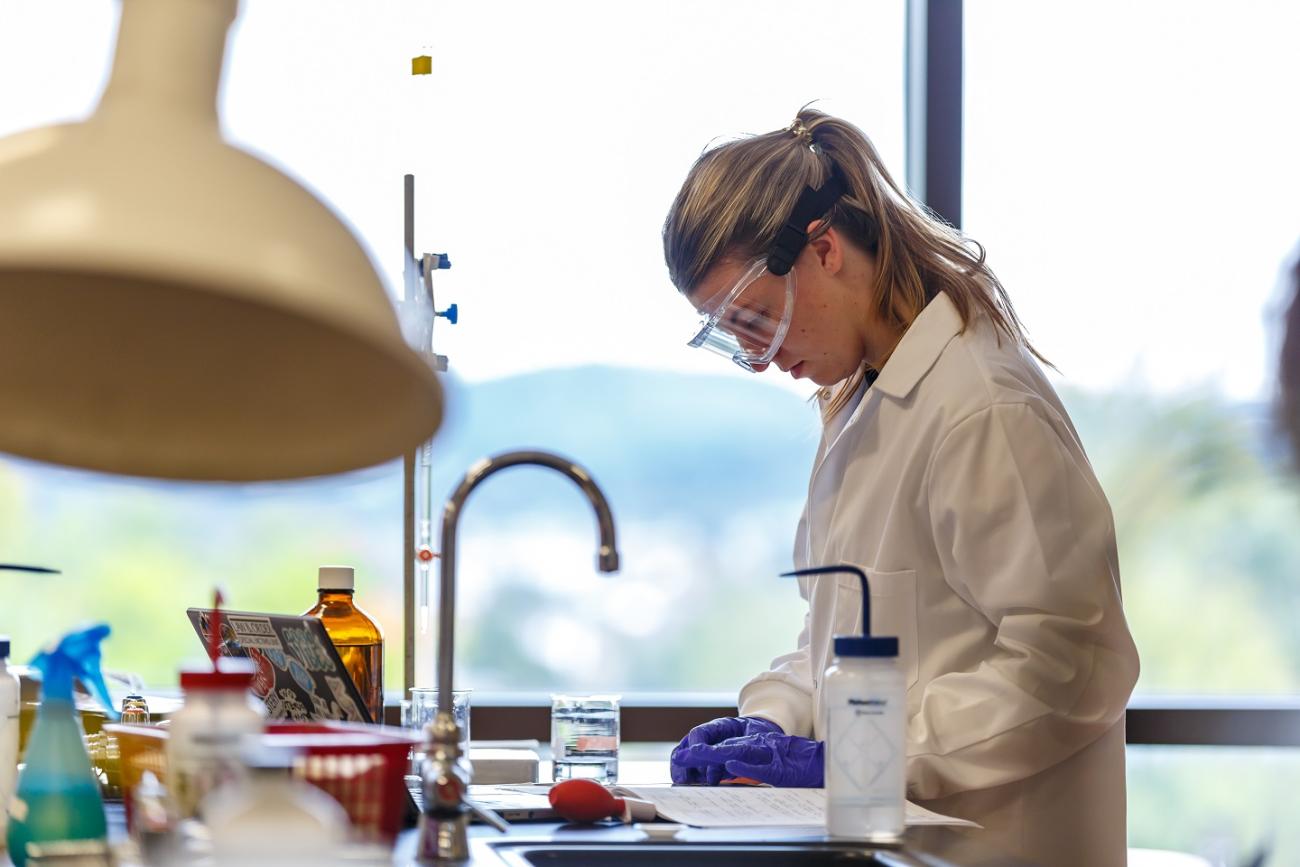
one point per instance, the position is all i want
(690, 855)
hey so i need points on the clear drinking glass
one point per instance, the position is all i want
(584, 737)
(421, 710)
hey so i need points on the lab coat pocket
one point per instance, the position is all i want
(893, 611)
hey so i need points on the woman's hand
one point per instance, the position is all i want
(770, 757)
(707, 734)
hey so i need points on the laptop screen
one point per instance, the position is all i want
(300, 676)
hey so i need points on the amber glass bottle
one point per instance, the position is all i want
(359, 640)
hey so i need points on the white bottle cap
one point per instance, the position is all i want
(336, 578)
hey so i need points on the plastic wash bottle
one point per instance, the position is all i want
(211, 731)
(865, 699)
(57, 801)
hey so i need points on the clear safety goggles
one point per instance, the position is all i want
(748, 326)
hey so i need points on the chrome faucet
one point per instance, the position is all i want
(443, 838)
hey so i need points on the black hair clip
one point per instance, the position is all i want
(794, 235)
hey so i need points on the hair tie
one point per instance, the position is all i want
(801, 132)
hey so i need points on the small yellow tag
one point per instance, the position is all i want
(422, 65)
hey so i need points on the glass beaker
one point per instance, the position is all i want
(584, 737)
(423, 708)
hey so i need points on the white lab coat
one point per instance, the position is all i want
(958, 483)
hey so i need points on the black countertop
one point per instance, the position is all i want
(931, 846)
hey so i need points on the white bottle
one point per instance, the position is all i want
(9, 708)
(210, 734)
(271, 818)
(866, 710)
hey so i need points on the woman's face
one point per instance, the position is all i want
(825, 341)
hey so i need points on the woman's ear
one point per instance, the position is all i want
(828, 247)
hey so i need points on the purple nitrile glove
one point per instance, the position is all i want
(714, 732)
(776, 759)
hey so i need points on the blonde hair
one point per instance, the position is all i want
(738, 195)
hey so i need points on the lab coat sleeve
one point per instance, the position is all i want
(1025, 535)
(784, 693)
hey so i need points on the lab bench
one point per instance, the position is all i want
(560, 845)
(571, 845)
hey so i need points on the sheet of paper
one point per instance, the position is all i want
(717, 807)
(740, 807)
(918, 815)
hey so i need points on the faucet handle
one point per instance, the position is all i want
(446, 780)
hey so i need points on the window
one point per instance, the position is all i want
(547, 144)
(1226, 804)
(1131, 169)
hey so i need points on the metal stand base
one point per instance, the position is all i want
(443, 841)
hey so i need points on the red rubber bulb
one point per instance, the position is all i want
(585, 801)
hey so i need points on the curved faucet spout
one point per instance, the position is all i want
(442, 838)
(606, 559)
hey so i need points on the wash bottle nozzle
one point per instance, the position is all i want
(854, 645)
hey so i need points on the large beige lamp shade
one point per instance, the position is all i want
(171, 306)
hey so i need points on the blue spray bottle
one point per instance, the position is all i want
(57, 798)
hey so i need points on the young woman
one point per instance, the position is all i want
(948, 470)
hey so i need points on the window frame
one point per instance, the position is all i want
(1235, 721)
(933, 78)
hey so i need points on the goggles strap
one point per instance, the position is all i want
(793, 235)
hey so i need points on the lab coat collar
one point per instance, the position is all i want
(920, 347)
